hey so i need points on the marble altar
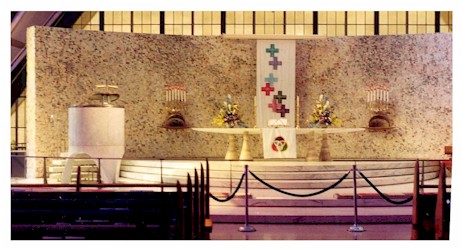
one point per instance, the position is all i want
(246, 155)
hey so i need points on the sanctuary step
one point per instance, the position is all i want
(88, 170)
(335, 206)
(393, 178)
(294, 175)
(266, 205)
(280, 174)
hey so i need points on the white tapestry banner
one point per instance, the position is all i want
(275, 98)
(279, 143)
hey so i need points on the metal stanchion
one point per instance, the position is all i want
(78, 179)
(246, 227)
(355, 227)
(45, 180)
(161, 176)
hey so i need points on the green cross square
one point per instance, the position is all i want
(272, 50)
(279, 97)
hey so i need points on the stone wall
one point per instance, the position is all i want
(65, 65)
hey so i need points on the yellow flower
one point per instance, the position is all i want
(323, 113)
(228, 114)
(218, 121)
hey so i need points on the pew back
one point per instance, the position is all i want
(95, 215)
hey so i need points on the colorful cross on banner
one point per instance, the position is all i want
(267, 89)
(275, 81)
(271, 79)
(282, 110)
(274, 105)
(272, 50)
(279, 97)
(275, 63)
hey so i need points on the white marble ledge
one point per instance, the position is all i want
(230, 130)
(259, 130)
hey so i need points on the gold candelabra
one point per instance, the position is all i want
(378, 98)
(175, 99)
(379, 103)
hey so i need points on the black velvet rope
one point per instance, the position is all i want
(233, 194)
(383, 195)
(300, 195)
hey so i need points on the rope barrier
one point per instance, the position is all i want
(383, 195)
(300, 195)
(233, 194)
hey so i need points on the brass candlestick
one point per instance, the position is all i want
(298, 112)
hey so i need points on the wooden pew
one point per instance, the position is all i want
(94, 215)
(197, 223)
(442, 212)
(430, 211)
(208, 224)
(112, 215)
(448, 151)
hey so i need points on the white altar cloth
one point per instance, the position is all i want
(279, 143)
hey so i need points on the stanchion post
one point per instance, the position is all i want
(246, 227)
(45, 180)
(355, 227)
(98, 175)
(161, 176)
(77, 186)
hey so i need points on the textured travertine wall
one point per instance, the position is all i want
(416, 68)
(68, 63)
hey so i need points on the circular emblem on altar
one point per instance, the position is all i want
(279, 144)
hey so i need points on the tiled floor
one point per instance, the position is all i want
(226, 231)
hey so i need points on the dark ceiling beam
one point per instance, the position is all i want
(17, 44)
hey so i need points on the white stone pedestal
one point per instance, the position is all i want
(98, 131)
(231, 153)
(245, 155)
(311, 155)
(324, 155)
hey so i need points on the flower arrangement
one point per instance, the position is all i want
(323, 115)
(228, 114)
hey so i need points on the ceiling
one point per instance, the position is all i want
(20, 21)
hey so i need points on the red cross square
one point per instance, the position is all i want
(282, 110)
(267, 89)
(274, 105)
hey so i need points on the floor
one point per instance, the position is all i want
(226, 231)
